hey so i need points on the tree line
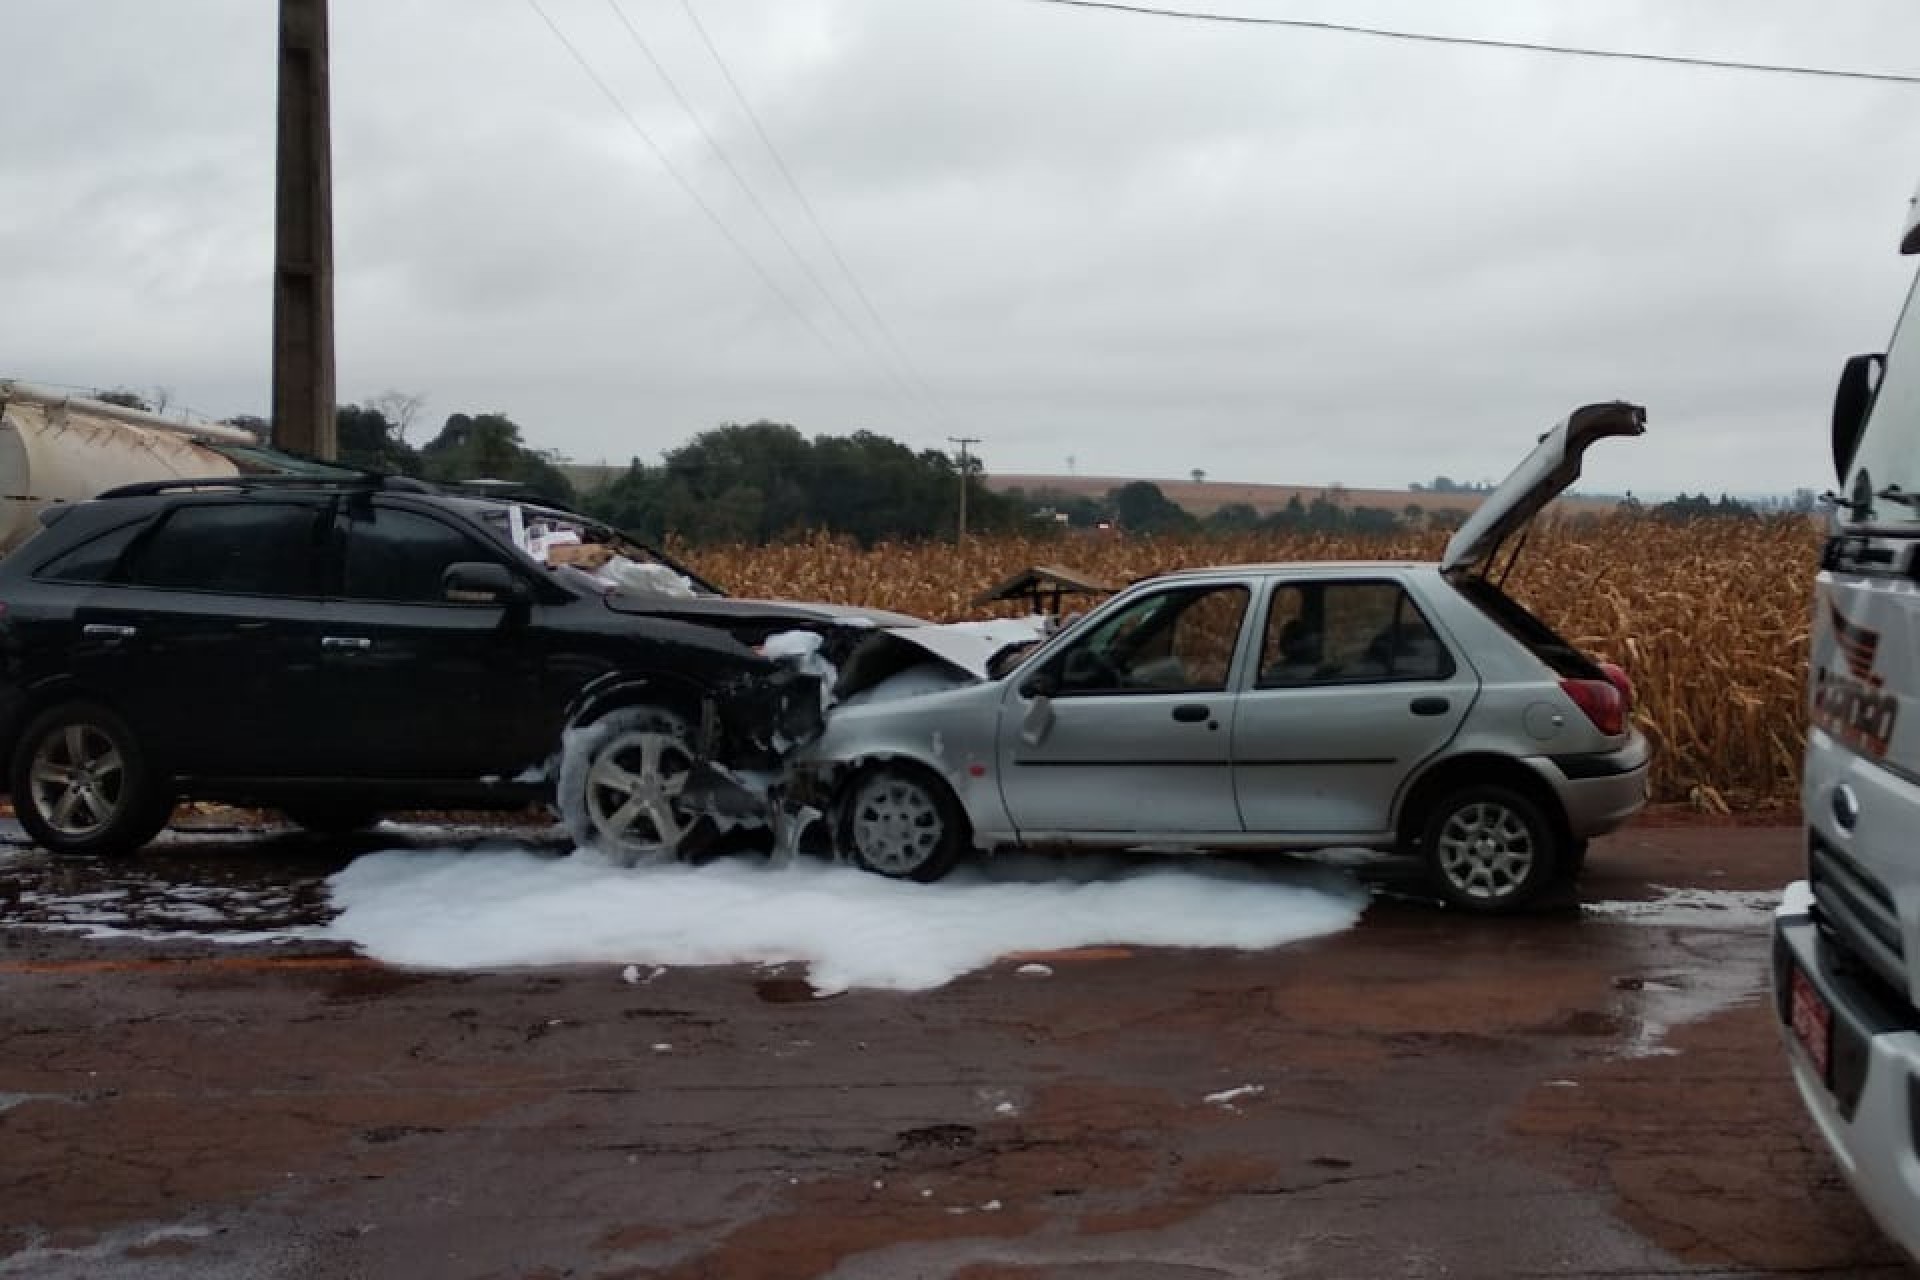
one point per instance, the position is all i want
(758, 481)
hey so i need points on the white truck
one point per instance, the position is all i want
(56, 448)
(1846, 940)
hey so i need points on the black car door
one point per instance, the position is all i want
(204, 637)
(420, 686)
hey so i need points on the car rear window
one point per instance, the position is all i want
(93, 560)
(1326, 632)
(239, 548)
(1517, 621)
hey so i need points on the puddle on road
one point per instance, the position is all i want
(1695, 952)
(214, 883)
(1711, 946)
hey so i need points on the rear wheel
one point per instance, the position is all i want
(904, 823)
(82, 786)
(620, 783)
(1490, 850)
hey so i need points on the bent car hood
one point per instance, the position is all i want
(721, 610)
(1540, 478)
(965, 648)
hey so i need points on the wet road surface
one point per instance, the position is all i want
(1591, 1092)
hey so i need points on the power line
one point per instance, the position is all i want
(666, 163)
(1525, 46)
(806, 205)
(753, 198)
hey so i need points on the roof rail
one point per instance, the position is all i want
(363, 482)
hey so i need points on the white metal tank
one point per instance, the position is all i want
(56, 448)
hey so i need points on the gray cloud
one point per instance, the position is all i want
(1151, 246)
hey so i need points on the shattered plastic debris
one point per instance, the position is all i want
(801, 650)
(656, 579)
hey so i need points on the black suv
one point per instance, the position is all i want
(340, 646)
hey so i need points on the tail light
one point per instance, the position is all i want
(1617, 677)
(1604, 701)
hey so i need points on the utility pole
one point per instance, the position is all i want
(303, 407)
(963, 442)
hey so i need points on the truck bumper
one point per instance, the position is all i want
(1857, 1065)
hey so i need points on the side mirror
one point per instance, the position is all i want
(1041, 684)
(1852, 401)
(482, 582)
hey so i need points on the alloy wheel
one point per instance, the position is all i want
(633, 789)
(1486, 851)
(78, 777)
(896, 825)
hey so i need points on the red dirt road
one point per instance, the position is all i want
(1578, 1094)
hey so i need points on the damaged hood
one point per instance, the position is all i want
(964, 649)
(726, 610)
(1540, 478)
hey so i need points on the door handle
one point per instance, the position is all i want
(1431, 706)
(345, 642)
(1189, 713)
(109, 630)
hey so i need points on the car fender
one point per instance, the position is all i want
(625, 688)
(950, 735)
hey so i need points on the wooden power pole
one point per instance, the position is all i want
(303, 408)
(965, 468)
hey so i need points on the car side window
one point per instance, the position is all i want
(236, 548)
(1180, 640)
(93, 560)
(400, 556)
(1347, 632)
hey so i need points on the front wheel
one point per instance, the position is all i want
(620, 783)
(82, 786)
(905, 824)
(1490, 850)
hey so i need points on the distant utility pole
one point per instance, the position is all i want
(963, 442)
(303, 408)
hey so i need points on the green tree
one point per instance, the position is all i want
(1141, 507)
(489, 447)
(368, 438)
(1235, 517)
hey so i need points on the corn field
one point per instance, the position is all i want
(1709, 617)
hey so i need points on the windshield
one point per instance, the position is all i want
(562, 541)
(1888, 457)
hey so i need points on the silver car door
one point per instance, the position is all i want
(1128, 729)
(1354, 688)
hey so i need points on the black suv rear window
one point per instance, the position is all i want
(93, 560)
(242, 548)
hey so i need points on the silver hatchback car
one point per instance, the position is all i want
(1394, 706)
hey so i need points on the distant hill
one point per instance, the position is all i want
(1202, 498)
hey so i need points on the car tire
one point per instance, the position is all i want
(903, 823)
(620, 779)
(1573, 860)
(326, 819)
(1490, 850)
(82, 785)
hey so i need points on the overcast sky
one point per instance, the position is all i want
(1113, 244)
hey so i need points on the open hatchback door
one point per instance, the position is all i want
(1540, 478)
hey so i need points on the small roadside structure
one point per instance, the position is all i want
(1044, 587)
